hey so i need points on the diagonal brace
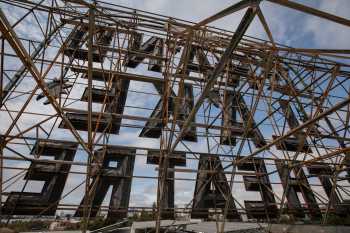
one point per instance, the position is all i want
(236, 38)
(312, 11)
(27, 61)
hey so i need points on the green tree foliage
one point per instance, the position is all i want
(20, 226)
(334, 219)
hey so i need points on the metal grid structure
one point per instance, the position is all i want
(237, 105)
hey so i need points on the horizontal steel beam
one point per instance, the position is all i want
(312, 11)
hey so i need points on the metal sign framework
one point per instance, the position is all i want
(250, 103)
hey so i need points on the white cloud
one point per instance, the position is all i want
(326, 34)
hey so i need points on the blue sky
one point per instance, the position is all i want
(288, 26)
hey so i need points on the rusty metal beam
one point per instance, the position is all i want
(227, 11)
(312, 11)
(299, 128)
(22, 71)
(17, 46)
(236, 38)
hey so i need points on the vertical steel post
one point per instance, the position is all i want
(90, 138)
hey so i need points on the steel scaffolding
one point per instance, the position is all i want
(244, 109)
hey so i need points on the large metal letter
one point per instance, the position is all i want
(153, 46)
(115, 97)
(292, 143)
(104, 38)
(118, 175)
(267, 208)
(54, 175)
(229, 120)
(255, 133)
(176, 159)
(324, 172)
(298, 184)
(152, 128)
(212, 189)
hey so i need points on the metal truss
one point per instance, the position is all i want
(245, 110)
